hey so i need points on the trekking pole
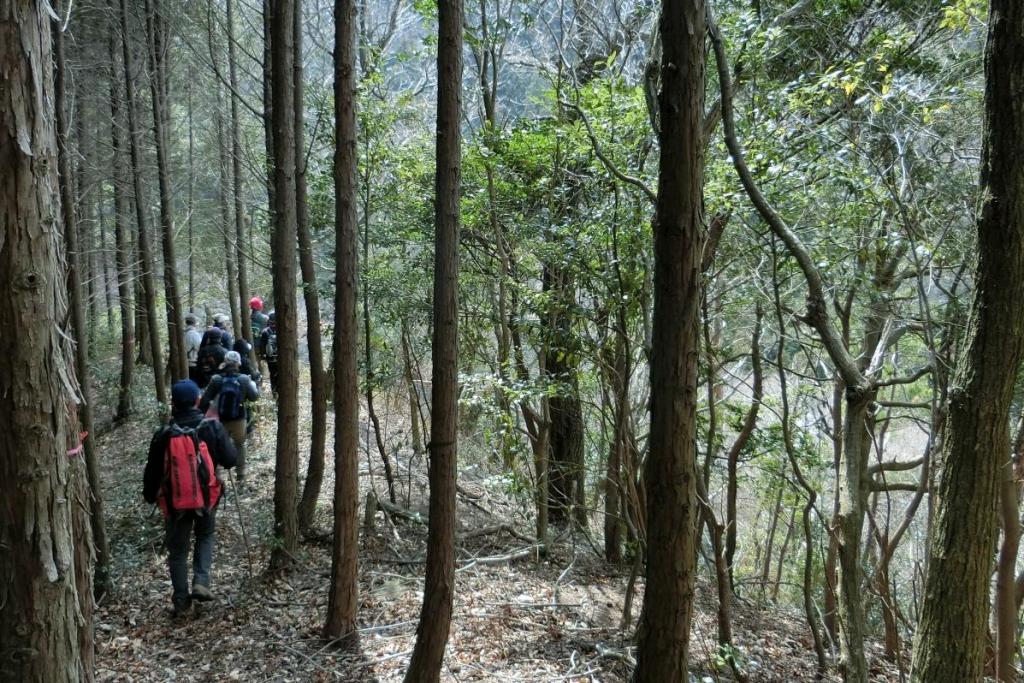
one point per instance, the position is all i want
(241, 523)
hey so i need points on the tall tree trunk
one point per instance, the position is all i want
(773, 525)
(439, 586)
(733, 458)
(832, 554)
(41, 609)
(236, 178)
(83, 197)
(157, 25)
(145, 249)
(311, 296)
(1006, 579)
(343, 599)
(122, 246)
(105, 277)
(283, 250)
(75, 261)
(672, 509)
(613, 522)
(268, 107)
(951, 634)
(191, 194)
(227, 230)
(371, 376)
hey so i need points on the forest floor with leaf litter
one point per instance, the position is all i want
(550, 619)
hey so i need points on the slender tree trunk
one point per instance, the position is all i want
(268, 107)
(283, 250)
(236, 178)
(191, 195)
(343, 600)
(314, 339)
(617, 450)
(79, 327)
(890, 625)
(439, 586)
(83, 198)
(1006, 568)
(716, 533)
(672, 506)
(951, 634)
(41, 609)
(389, 476)
(773, 525)
(224, 199)
(123, 251)
(104, 270)
(414, 400)
(832, 555)
(157, 25)
(145, 249)
(733, 458)
(780, 565)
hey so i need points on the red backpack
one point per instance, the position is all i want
(190, 480)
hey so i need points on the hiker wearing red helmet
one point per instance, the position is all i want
(258, 317)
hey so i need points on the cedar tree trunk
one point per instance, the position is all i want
(343, 600)
(672, 507)
(40, 608)
(439, 587)
(283, 251)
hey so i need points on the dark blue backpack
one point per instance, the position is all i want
(230, 400)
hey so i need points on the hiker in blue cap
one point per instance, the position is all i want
(181, 477)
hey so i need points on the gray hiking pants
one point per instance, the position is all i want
(179, 534)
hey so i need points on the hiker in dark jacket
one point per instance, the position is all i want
(266, 349)
(211, 355)
(244, 349)
(185, 413)
(217, 394)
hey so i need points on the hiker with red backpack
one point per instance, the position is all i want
(226, 394)
(181, 477)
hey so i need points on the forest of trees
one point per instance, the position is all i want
(710, 303)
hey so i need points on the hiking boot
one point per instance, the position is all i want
(202, 593)
(181, 608)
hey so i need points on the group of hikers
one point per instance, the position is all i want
(211, 419)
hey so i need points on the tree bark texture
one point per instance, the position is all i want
(951, 635)
(343, 600)
(672, 506)
(439, 586)
(145, 248)
(41, 613)
(283, 250)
